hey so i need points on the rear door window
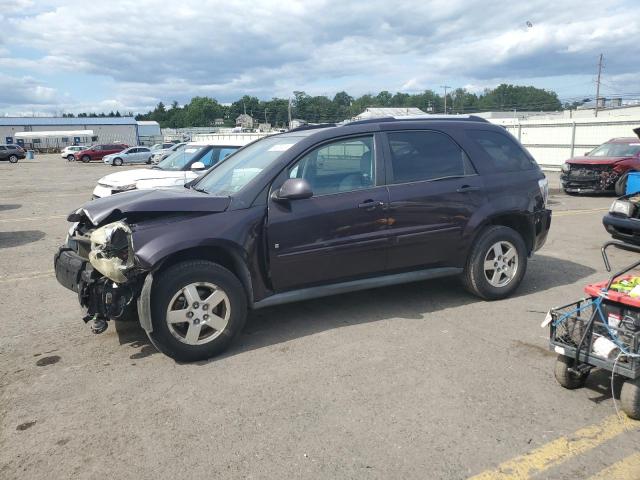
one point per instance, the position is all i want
(425, 155)
(504, 154)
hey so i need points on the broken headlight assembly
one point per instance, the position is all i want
(565, 167)
(112, 251)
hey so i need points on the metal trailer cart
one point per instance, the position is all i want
(600, 331)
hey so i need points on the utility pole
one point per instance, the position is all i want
(289, 111)
(598, 85)
(445, 97)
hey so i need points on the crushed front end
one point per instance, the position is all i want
(586, 178)
(99, 264)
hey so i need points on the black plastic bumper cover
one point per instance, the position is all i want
(622, 228)
(69, 266)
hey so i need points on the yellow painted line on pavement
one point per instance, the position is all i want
(566, 213)
(626, 469)
(30, 219)
(558, 451)
(30, 276)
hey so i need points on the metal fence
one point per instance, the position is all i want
(553, 142)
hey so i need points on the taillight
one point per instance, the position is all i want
(544, 189)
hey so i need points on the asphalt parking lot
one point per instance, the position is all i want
(415, 381)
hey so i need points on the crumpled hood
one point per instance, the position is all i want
(128, 177)
(150, 201)
(595, 160)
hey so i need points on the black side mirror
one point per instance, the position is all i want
(293, 189)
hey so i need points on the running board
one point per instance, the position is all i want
(355, 285)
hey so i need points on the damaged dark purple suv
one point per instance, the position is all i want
(306, 214)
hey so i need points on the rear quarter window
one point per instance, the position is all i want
(504, 154)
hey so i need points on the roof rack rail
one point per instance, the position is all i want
(466, 118)
(312, 127)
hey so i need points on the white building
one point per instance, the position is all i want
(58, 132)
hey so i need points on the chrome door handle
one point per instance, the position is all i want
(370, 204)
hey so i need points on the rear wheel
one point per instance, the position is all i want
(117, 162)
(86, 158)
(567, 378)
(13, 158)
(630, 398)
(197, 309)
(496, 264)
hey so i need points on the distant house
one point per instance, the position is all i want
(379, 112)
(244, 121)
(218, 122)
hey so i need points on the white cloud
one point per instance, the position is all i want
(151, 49)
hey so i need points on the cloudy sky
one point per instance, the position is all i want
(101, 55)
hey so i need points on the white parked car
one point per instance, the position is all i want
(129, 155)
(68, 152)
(173, 172)
(161, 154)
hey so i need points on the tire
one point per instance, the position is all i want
(630, 398)
(148, 162)
(117, 162)
(13, 158)
(506, 279)
(86, 158)
(170, 293)
(621, 185)
(70, 158)
(567, 379)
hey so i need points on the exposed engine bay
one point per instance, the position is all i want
(99, 265)
(592, 178)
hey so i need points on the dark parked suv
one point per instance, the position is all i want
(13, 153)
(304, 214)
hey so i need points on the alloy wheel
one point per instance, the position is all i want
(198, 313)
(501, 264)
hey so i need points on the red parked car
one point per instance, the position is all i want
(604, 169)
(96, 152)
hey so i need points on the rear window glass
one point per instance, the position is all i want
(505, 154)
(426, 155)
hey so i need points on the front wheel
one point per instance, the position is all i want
(117, 162)
(565, 376)
(496, 264)
(197, 309)
(13, 158)
(70, 158)
(86, 158)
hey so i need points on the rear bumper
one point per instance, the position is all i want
(541, 226)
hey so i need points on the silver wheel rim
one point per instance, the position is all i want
(198, 313)
(13, 159)
(501, 264)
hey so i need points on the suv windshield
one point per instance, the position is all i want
(180, 159)
(616, 150)
(243, 166)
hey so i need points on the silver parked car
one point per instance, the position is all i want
(159, 155)
(129, 155)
